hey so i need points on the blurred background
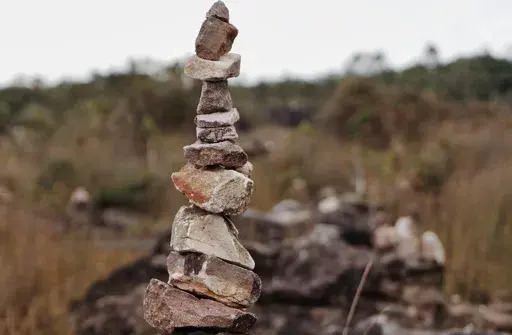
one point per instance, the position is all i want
(355, 114)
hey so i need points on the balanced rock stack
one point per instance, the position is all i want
(211, 280)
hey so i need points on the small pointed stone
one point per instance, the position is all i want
(215, 38)
(226, 154)
(215, 98)
(215, 190)
(195, 230)
(218, 134)
(228, 66)
(219, 10)
(215, 120)
(168, 309)
(212, 277)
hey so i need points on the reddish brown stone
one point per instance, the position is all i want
(220, 11)
(215, 190)
(215, 38)
(168, 309)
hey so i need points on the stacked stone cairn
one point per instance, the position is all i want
(211, 282)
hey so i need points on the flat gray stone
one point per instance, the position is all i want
(210, 276)
(168, 309)
(215, 190)
(215, 98)
(195, 230)
(226, 154)
(215, 120)
(218, 134)
(228, 66)
(215, 38)
(219, 10)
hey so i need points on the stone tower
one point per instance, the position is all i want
(211, 282)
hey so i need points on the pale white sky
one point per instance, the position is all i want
(70, 38)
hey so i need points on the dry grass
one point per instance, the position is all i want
(42, 271)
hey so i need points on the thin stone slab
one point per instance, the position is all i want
(247, 169)
(226, 154)
(210, 276)
(219, 10)
(169, 309)
(215, 38)
(215, 190)
(218, 134)
(228, 66)
(195, 230)
(215, 98)
(215, 120)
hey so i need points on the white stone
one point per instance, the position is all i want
(228, 66)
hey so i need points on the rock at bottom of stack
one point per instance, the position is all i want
(168, 309)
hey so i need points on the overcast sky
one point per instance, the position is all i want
(58, 39)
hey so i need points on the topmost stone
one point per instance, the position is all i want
(220, 11)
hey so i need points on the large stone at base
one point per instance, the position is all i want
(215, 98)
(215, 38)
(226, 154)
(215, 190)
(228, 66)
(195, 230)
(168, 309)
(212, 277)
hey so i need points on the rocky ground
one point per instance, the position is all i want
(311, 261)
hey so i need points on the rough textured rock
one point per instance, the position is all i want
(219, 10)
(215, 38)
(228, 66)
(496, 319)
(215, 190)
(215, 135)
(212, 277)
(225, 154)
(215, 98)
(247, 169)
(351, 215)
(195, 230)
(302, 274)
(167, 309)
(215, 120)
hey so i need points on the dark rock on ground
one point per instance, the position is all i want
(309, 280)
